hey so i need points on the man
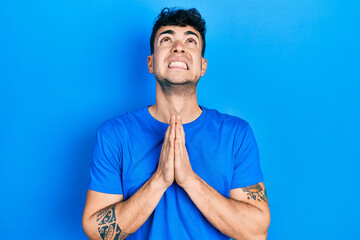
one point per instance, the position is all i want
(176, 170)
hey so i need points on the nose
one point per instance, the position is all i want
(178, 47)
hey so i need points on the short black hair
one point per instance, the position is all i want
(181, 18)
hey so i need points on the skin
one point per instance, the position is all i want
(178, 45)
(244, 215)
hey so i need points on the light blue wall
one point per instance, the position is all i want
(290, 68)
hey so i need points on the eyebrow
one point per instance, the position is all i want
(191, 33)
(167, 32)
(172, 33)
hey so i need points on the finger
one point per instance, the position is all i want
(167, 133)
(171, 153)
(182, 132)
(178, 122)
(178, 119)
(172, 129)
(168, 130)
(177, 129)
(177, 154)
(167, 141)
(179, 139)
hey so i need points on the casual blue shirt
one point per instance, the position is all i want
(222, 151)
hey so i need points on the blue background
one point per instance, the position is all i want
(290, 68)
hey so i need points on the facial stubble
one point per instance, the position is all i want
(183, 89)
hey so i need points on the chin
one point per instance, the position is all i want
(176, 80)
(180, 81)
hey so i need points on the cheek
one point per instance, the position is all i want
(200, 65)
(158, 61)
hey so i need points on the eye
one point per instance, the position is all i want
(165, 39)
(191, 40)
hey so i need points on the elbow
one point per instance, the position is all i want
(258, 230)
(263, 226)
(85, 226)
(89, 228)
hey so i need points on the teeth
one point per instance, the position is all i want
(177, 64)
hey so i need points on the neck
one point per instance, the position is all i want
(167, 105)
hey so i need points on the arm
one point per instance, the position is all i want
(107, 216)
(237, 217)
(245, 215)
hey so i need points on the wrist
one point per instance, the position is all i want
(158, 181)
(190, 181)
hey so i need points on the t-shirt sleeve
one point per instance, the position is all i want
(105, 170)
(247, 169)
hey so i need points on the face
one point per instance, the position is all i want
(177, 55)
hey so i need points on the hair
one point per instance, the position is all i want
(181, 18)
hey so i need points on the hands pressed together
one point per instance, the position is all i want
(174, 163)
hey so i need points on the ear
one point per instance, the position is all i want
(150, 64)
(203, 66)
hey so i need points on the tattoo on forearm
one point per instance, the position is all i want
(108, 227)
(256, 192)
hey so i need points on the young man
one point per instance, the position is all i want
(176, 170)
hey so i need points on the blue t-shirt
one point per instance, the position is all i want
(222, 151)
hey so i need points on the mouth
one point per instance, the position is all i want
(178, 64)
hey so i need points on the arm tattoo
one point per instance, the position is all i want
(255, 192)
(107, 225)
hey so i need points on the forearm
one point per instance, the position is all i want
(121, 219)
(236, 219)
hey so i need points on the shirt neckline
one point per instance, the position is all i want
(164, 126)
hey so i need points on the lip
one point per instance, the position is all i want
(178, 60)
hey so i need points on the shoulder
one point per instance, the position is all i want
(119, 125)
(226, 119)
